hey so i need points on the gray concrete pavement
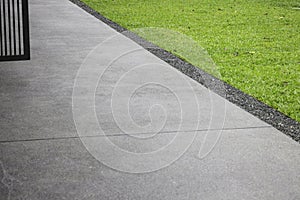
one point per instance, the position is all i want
(86, 85)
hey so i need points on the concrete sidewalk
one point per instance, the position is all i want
(88, 89)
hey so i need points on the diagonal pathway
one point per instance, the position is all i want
(87, 84)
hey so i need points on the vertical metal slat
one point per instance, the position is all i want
(4, 29)
(14, 27)
(9, 27)
(19, 26)
(1, 44)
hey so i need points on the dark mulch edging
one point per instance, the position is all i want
(257, 108)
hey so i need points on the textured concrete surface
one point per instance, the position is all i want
(43, 157)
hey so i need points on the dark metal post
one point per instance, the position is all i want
(26, 30)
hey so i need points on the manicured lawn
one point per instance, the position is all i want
(255, 44)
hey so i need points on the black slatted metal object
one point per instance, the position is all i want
(14, 30)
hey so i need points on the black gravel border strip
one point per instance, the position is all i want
(257, 108)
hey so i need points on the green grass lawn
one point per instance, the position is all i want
(255, 44)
